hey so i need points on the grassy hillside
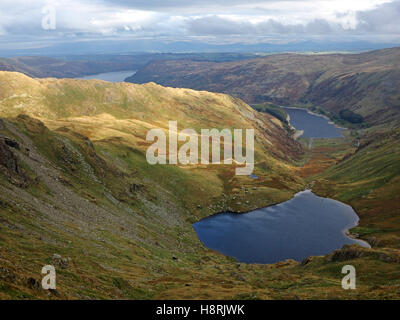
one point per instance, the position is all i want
(78, 193)
(76, 183)
(273, 110)
(368, 178)
(366, 83)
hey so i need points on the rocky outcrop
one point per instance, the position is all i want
(9, 163)
(351, 252)
(61, 262)
(346, 253)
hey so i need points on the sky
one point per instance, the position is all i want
(30, 24)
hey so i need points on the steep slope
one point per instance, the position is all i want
(76, 184)
(142, 107)
(365, 83)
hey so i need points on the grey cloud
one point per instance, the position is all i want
(215, 25)
(176, 19)
(384, 19)
(173, 4)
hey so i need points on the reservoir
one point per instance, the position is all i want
(312, 125)
(306, 225)
(118, 76)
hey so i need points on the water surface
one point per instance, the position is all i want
(304, 226)
(313, 125)
(117, 76)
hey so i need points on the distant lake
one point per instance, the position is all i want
(314, 126)
(306, 225)
(117, 76)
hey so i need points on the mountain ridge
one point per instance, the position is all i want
(364, 83)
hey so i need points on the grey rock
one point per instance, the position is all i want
(11, 143)
(56, 256)
(33, 283)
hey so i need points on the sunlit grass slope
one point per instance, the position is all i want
(77, 192)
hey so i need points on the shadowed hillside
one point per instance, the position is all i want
(364, 83)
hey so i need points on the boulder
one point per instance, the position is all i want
(61, 262)
(33, 283)
(56, 256)
(7, 275)
(135, 187)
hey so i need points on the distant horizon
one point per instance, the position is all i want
(118, 26)
(127, 48)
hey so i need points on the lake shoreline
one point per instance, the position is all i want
(113, 76)
(330, 121)
(349, 212)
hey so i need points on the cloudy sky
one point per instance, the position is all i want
(26, 23)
